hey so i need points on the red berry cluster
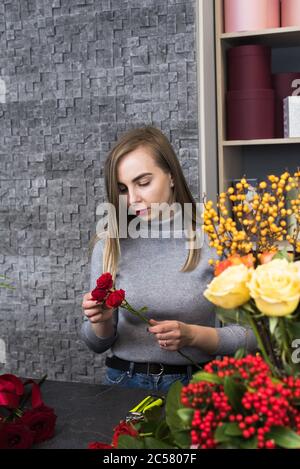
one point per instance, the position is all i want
(266, 402)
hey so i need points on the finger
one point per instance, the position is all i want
(164, 327)
(165, 336)
(92, 312)
(99, 318)
(90, 304)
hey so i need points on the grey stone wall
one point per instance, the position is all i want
(74, 75)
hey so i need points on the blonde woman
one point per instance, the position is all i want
(159, 269)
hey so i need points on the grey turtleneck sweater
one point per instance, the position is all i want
(149, 273)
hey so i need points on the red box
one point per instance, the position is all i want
(249, 67)
(250, 114)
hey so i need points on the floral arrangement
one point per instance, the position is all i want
(20, 426)
(246, 401)
(232, 403)
(257, 282)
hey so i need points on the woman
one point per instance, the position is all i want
(145, 170)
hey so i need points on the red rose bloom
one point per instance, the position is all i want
(11, 389)
(98, 445)
(115, 299)
(41, 421)
(105, 281)
(123, 429)
(98, 294)
(15, 436)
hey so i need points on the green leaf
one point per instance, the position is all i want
(283, 254)
(293, 328)
(208, 377)
(240, 353)
(235, 392)
(238, 316)
(250, 443)
(220, 435)
(273, 322)
(173, 403)
(186, 416)
(6, 285)
(153, 443)
(183, 439)
(154, 413)
(229, 435)
(232, 429)
(162, 431)
(143, 309)
(226, 431)
(284, 437)
(129, 442)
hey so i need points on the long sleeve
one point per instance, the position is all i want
(95, 343)
(233, 337)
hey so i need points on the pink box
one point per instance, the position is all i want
(290, 13)
(249, 15)
(274, 14)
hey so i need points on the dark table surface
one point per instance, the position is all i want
(86, 412)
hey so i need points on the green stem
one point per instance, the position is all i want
(261, 344)
(286, 340)
(142, 317)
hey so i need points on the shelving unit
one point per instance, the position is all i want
(253, 158)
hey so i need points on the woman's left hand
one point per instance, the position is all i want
(171, 335)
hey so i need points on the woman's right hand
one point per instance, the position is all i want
(96, 313)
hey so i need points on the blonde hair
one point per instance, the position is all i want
(167, 160)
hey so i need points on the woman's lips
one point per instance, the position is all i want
(142, 212)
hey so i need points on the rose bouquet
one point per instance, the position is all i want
(20, 426)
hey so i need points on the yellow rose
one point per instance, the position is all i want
(229, 289)
(275, 287)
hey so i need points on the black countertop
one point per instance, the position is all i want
(86, 412)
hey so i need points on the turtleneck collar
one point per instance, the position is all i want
(164, 225)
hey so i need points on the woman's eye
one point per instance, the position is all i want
(122, 189)
(145, 184)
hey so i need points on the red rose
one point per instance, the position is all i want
(115, 299)
(98, 294)
(15, 436)
(11, 389)
(98, 445)
(123, 429)
(105, 281)
(41, 421)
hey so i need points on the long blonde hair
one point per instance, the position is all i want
(167, 160)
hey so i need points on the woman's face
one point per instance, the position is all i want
(143, 182)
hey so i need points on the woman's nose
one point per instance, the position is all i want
(133, 196)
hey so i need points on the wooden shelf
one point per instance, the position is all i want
(273, 141)
(275, 37)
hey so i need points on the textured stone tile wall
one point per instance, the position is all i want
(74, 75)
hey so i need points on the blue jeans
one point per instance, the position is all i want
(126, 379)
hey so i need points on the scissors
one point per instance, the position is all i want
(137, 413)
